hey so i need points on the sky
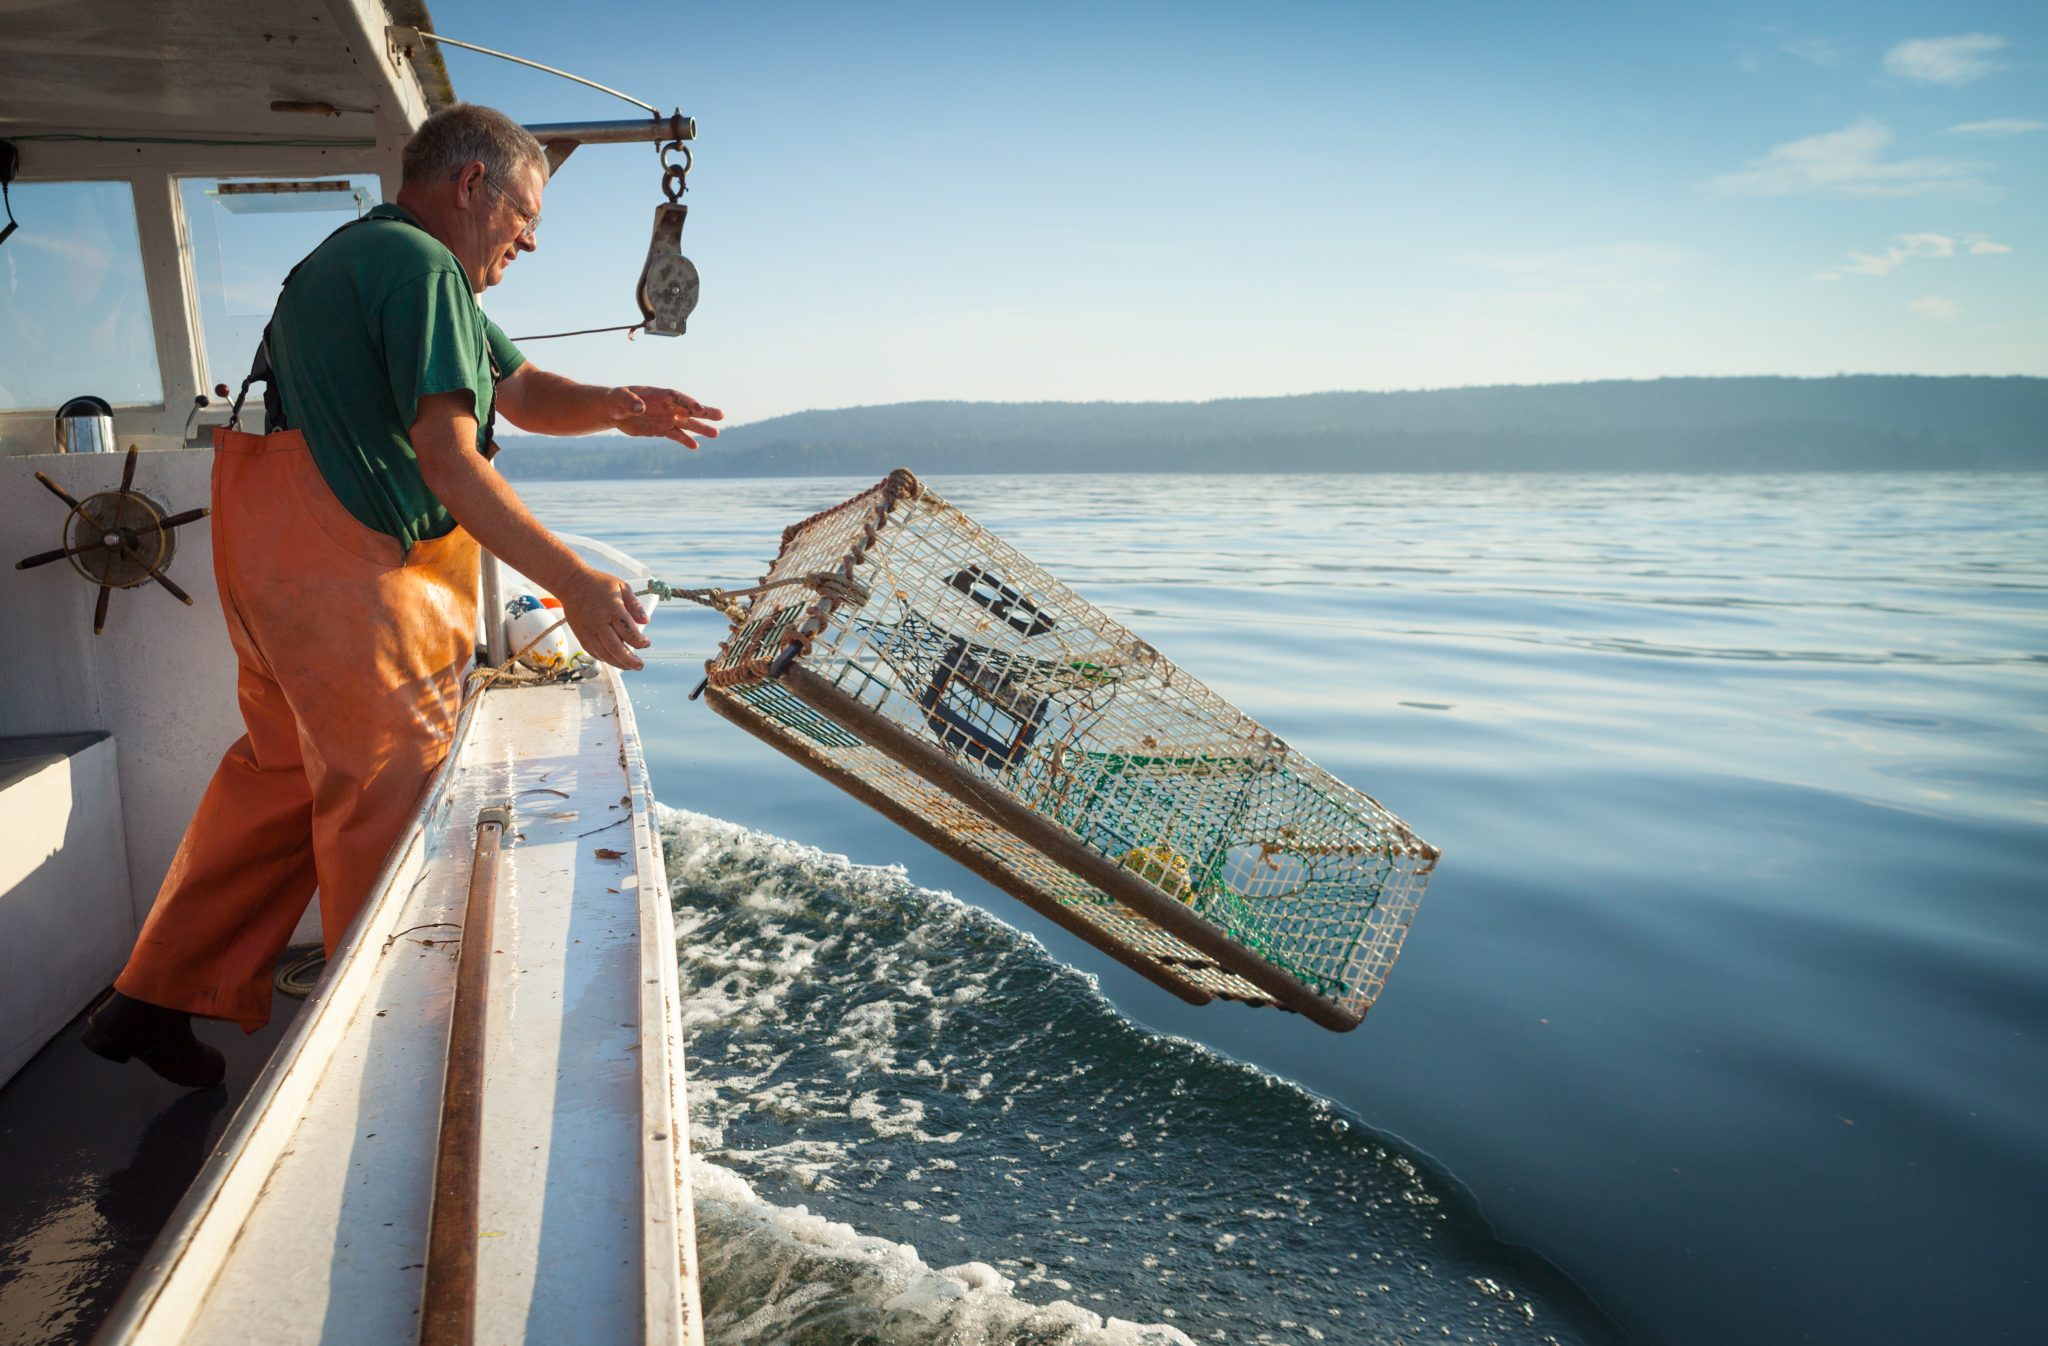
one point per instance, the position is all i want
(1186, 201)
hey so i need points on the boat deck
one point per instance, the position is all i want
(98, 1156)
(309, 1222)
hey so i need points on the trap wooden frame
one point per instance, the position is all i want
(932, 671)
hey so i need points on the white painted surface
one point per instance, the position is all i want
(160, 679)
(312, 1226)
(65, 922)
(160, 68)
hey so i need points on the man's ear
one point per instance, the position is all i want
(469, 183)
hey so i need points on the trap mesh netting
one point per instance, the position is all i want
(928, 668)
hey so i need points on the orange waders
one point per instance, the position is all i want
(351, 653)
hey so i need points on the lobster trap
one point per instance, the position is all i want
(931, 670)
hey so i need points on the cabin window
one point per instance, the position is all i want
(246, 234)
(74, 313)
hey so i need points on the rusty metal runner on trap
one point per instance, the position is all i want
(917, 661)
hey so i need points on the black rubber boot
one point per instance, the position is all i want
(121, 1027)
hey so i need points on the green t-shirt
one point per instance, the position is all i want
(377, 317)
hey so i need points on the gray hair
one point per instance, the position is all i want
(465, 133)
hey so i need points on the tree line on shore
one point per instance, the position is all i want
(1855, 422)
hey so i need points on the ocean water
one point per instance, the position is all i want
(1723, 1019)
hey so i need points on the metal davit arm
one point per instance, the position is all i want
(562, 138)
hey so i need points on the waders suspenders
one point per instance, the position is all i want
(262, 371)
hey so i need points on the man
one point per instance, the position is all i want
(346, 554)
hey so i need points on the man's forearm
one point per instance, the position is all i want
(549, 404)
(482, 501)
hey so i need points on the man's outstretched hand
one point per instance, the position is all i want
(605, 616)
(661, 413)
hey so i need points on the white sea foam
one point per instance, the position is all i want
(824, 1277)
(829, 1277)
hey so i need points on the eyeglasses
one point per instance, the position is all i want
(529, 220)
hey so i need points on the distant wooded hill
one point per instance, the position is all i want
(1856, 422)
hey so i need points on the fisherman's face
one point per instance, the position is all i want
(503, 216)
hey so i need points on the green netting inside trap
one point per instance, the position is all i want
(771, 700)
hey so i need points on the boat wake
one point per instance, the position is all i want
(912, 1125)
(777, 1273)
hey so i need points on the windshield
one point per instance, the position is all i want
(74, 313)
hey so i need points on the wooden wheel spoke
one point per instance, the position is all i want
(135, 553)
(44, 558)
(128, 469)
(180, 520)
(59, 491)
(99, 609)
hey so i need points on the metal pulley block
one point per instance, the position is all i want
(668, 283)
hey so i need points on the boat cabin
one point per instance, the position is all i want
(165, 165)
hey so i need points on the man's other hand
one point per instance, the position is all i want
(605, 616)
(661, 413)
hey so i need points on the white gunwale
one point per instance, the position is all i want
(669, 1232)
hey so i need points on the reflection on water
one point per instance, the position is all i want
(137, 1199)
(1728, 996)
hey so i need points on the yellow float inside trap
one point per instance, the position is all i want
(931, 670)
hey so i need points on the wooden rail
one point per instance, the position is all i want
(448, 1302)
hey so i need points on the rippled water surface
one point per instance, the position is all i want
(1722, 1020)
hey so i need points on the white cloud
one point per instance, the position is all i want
(84, 252)
(1952, 61)
(1907, 246)
(1848, 162)
(1628, 272)
(1821, 51)
(1999, 126)
(1935, 307)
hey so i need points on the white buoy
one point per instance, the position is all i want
(527, 616)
